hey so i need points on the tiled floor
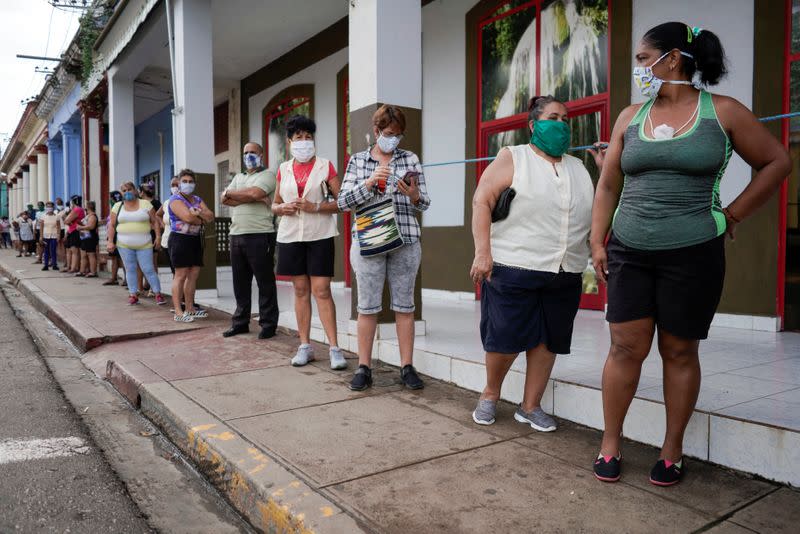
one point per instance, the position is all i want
(747, 374)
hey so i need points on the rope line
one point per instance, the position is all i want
(587, 147)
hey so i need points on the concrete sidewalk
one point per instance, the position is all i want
(295, 451)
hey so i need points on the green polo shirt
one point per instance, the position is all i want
(253, 217)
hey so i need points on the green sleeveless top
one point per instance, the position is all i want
(670, 198)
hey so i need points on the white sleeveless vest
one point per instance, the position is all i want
(548, 225)
(305, 226)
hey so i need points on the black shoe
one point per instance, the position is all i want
(235, 330)
(45, 268)
(362, 379)
(607, 468)
(266, 333)
(666, 473)
(410, 377)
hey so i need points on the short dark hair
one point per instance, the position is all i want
(91, 205)
(705, 47)
(537, 104)
(300, 123)
(187, 172)
(76, 199)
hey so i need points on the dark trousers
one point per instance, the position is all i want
(6, 239)
(254, 255)
(50, 248)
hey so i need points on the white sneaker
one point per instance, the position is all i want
(305, 354)
(337, 359)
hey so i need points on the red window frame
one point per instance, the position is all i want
(272, 114)
(591, 104)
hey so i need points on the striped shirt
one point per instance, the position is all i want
(354, 193)
(133, 227)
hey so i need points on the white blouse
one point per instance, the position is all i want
(550, 217)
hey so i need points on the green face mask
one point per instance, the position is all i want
(552, 137)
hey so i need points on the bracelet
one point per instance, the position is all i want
(730, 216)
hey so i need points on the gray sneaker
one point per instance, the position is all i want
(337, 359)
(537, 419)
(305, 354)
(484, 413)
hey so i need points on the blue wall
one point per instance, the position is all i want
(65, 112)
(148, 149)
(57, 176)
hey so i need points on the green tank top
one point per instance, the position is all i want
(670, 198)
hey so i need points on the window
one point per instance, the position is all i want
(544, 47)
(221, 128)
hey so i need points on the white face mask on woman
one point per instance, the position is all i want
(388, 144)
(648, 83)
(303, 150)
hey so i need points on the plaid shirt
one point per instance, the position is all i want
(354, 193)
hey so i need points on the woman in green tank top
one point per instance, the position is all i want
(659, 195)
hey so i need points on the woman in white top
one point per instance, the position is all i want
(306, 199)
(529, 264)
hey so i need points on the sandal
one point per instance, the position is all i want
(91, 275)
(113, 282)
(79, 274)
(183, 318)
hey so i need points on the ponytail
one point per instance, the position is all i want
(708, 57)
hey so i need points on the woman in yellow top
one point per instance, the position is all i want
(131, 223)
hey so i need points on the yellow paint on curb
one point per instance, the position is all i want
(203, 428)
(327, 511)
(223, 436)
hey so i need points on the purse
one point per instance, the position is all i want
(377, 229)
(503, 205)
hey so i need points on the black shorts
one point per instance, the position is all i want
(73, 240)
(90, 244)
(521, 309)
(185, 250)
(309, 258)
(680, 288)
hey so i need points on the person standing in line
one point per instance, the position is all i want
(26, 234)
(664, 262)
(5, 232)
(15, 240)
(306, 199)
(115, 197)
(62, 212)
(89, 241)
(37, 231)
(252, 245)
(147, 192)
(187, 215)
(73, 245)
(50, 232)
(377, 174)
(530, 264)
(163, 215)
(129, 232)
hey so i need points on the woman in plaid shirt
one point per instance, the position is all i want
(372, 176)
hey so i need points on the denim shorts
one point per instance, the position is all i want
(521, 309)
(400, 266)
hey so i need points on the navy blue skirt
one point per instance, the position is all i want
(521, 309)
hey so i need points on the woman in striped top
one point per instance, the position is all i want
(131, 223)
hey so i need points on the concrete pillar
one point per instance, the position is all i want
(121, 139)
(10, 195)
(56, 164)
(26, 190)
(33, 176)
(71, 140)
(41, 179)
(385, 60)
(194, 115)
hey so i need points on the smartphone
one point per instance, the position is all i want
(409, 175)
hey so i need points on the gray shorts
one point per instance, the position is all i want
(400, 266)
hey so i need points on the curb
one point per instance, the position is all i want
(270, 496)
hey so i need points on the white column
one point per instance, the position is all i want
(194, 112)
(33, 188)
(41, 179)
(26, 189)
(122, 165)
(381, 29)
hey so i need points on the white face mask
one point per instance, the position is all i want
(187, 188)
(174, 189)
(388, 144)
(649, 84)
(303, 150)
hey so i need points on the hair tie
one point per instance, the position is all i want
(696, 31)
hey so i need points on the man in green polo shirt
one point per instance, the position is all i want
(252, 243)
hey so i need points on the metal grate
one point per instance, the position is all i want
(222, 226)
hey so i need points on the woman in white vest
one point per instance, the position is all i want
(529, 264)
(305, 198)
